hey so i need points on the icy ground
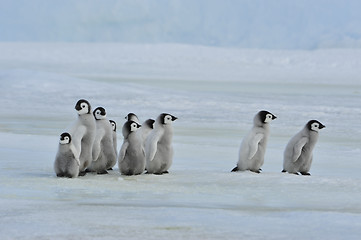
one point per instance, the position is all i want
(215, 93)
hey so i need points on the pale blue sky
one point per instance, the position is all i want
(271, 24)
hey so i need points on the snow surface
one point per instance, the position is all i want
(214, 92)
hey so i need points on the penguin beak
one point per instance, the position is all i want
(174, 118)
(273, 117)
(322, 126)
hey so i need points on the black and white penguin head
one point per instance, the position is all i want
(314, 125)
(65, 138)
(129, 127)
(266, 117)
(83, 107)
(166, 118)
(149, 123)
(132, 117)
(99, 113)
(114, 125)
(134, 126)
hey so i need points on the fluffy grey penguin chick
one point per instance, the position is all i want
(298, 155)
(131, 158)
(114, 128)
(103, 147)
(83, 134)
(67, 158)
(158, 145)
(253, 146)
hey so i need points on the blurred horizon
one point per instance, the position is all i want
(262, 24)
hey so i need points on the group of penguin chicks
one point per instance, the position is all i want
(91, 145)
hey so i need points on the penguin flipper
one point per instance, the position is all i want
(151, 146)
(297, 149)
(253, 145)
(235, 169)
(76, 137)
(122, 151)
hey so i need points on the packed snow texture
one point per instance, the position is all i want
(215, 93)
(306, 24)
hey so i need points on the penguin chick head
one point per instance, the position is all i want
(129, 127)
(83, 107)
(114, 125)
(265, 116)
(314, 125)
(166, 118)
(65, 138)
(132, 117)
(149, 123)
(99, 113)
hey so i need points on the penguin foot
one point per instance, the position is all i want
(60, 175)
(235, 169)
(109, 169)
(284, 171)
(165, 172)
(256, 171)
(102, 172)
(305, 173)
(82, 173)
(68, 175)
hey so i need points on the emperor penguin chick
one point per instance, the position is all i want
(131, 159)
(103, 147)
(114, 128)
(67, 158)
(83, 134)
(298, 155)
(158, 145)
(253, 146)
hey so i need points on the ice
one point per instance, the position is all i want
(214, 92)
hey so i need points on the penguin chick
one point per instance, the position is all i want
(131, 159)
(67, 159)
(298, 155)
(253, 146)
(114, 128)
(83, 134)
(103, 147)
(158, 145)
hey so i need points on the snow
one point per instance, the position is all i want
(215, 93)
(306, 24)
